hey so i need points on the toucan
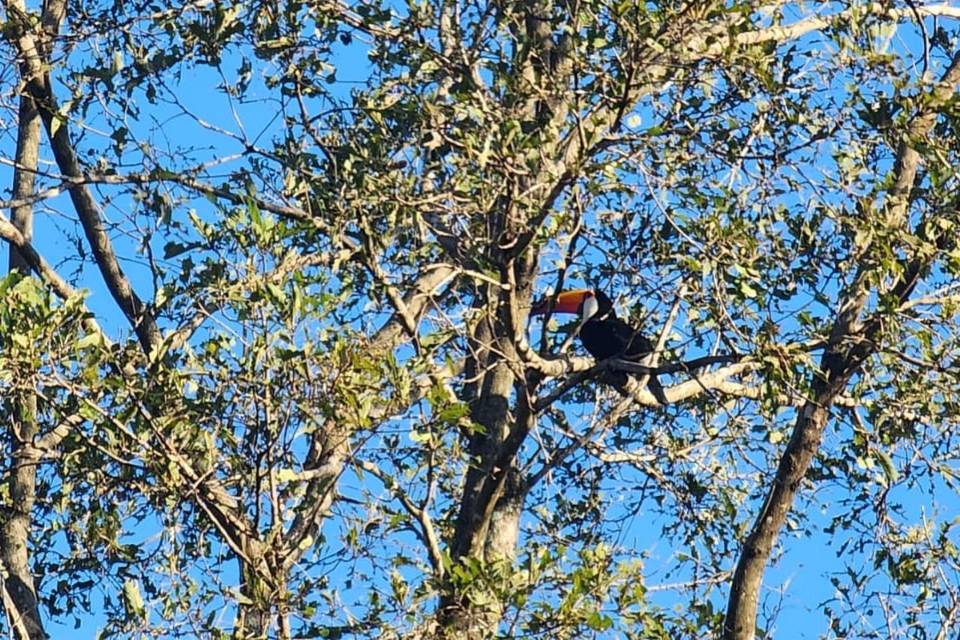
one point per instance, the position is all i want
(603, 334)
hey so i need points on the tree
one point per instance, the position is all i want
(322, 409)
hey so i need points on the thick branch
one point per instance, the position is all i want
(38, 86)
(716, 380)
(19, 590)
(816, 23)
(851, 343)
(330, 449)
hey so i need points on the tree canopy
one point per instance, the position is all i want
(267, 362)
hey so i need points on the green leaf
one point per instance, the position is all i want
(287, 475)
(132, 600)
(90, 340)
(886, 464)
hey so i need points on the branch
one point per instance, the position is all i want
(937, 298)
(46, 273)
(34, 260)
(208, 492)
(809, 25)
(188, 181)
(709, 40)
(676, 393)
(427, 533)
(562, 454)
(327, 459)
(553, 367)
(416, 299)
(37, 81)
(713, 381)
(851, 343)
(19, 589)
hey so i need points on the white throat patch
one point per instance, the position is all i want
(589, 308)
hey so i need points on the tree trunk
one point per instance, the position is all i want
(20, 600)
(488, 523)
(853, 339)
(740, 621)
(254, 609)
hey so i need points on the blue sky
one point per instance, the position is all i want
(802, 571)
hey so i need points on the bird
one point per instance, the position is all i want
(603, 334)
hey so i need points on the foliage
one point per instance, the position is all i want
(338, 218)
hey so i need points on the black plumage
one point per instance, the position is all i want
(604, 335)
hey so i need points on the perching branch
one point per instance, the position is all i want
(676, 393)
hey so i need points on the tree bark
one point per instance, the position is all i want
(741, 615)
(853, 339)
(20, 599)
(254, 610)
(38, 85)
(488, 523)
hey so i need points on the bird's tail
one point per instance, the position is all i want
(622, 382)
(657, 390)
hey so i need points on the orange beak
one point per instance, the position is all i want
(567, 302)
